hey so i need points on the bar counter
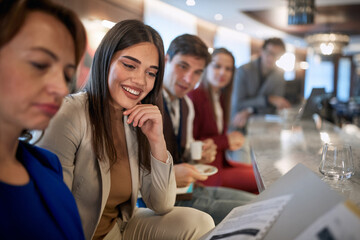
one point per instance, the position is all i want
(277, 145)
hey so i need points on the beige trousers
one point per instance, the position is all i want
(181, 223)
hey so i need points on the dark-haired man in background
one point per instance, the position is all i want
(259, 85)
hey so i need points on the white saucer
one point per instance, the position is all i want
(205, 169)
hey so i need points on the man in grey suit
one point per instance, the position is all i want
(259, 85)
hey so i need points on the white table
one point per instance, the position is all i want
(277, 146)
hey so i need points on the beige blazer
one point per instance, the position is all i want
(69, 137)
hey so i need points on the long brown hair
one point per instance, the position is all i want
(225, 92)
(123, 35)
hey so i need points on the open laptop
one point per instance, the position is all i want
(311, 104)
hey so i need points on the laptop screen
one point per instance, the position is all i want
(311, 104)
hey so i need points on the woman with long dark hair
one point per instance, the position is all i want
(110, 141)
(212, 110)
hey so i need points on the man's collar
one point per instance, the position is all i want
(168, 96)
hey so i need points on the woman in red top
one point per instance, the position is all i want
(212, 109)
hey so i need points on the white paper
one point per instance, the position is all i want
(250, 221)
(337, 224)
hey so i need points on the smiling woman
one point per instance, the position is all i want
(41, 44)
(110, 142)
(130, 79)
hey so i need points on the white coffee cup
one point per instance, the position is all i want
(196, 150)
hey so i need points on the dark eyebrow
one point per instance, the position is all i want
(51, 54)
(155, 67)
(139, 62)
(46, 51)
(185, 63)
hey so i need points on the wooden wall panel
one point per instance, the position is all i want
(112, 10)
(206, 31)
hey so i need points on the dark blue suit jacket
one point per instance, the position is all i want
(45, 171)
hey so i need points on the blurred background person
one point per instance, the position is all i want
(41, 44)
(212, 111)
(110, 141)
(259, 85)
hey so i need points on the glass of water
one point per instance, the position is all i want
(337, 161)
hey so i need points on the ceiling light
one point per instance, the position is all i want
(107, 24)
(328, 43)
(239, 26)
(190, 3)
(286, 62)
(327, 48)
(218, 17)
(301, 12)
(304, 65)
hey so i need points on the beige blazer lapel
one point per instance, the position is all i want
(132, 146)
(105, 183)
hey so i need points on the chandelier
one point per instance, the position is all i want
(301, 12)
(328, 43)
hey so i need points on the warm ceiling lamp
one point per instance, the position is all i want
(328, 43)
(301, 12)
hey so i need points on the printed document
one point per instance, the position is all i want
(251, 221)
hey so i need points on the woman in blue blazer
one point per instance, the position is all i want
(41, 44)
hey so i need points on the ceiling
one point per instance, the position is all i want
(339, 18)
(268, 18)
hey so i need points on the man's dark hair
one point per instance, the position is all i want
(274, 41)
(188, 44)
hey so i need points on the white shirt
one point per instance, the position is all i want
(176, 119)
(219, 114)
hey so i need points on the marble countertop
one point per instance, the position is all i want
(278, 145)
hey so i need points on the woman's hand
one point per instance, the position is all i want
(241, 118)
(236, 140)
(186, 174)
(279, 102)
(208, 154)
(148, 117)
